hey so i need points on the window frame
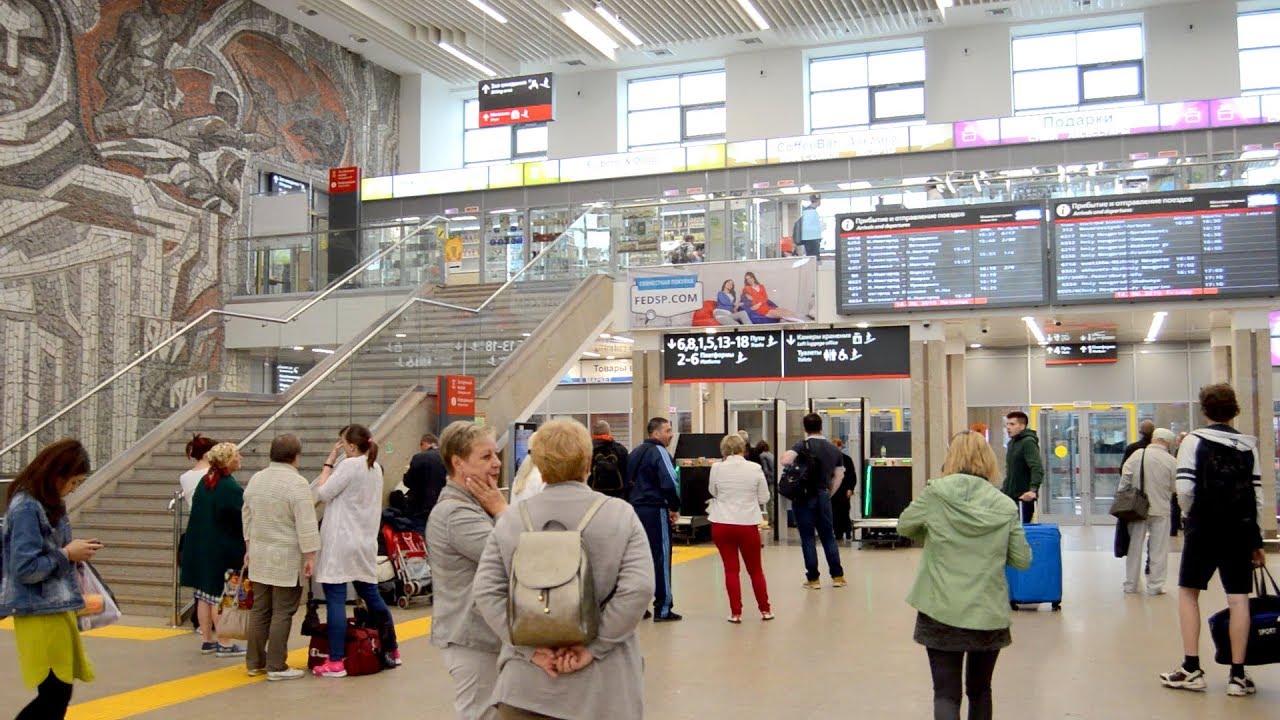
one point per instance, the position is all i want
(1082, 101)
(1241, 50)
(513, 154)
(684, 110)
(872, 89)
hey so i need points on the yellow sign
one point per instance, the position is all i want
(1060, 451)
(506, 176)
(453, 252)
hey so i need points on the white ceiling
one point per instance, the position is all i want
(401, 34)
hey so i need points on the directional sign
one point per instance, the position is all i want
(723, 357)
(516, 100)
(839, 354)
(1080, 353)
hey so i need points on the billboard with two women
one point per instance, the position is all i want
(724, 294)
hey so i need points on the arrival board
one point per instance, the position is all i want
(960, 256)
(1199, 243)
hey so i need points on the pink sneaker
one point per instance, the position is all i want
(395, 656)
(331, 668)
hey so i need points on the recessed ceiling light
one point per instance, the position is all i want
(588, 31)
(299, 348)
(590, 354)
(467, 59)
(864, 325)
(616, 23)
(610, 357)
(401, 335)
(485, 8)
(753, 13)
(322, 351)
(309, 12)
(975, 346)
(359, 39)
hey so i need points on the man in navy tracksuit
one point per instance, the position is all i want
(655, 494)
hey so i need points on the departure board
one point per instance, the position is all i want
(959, 256)
(1212, 243)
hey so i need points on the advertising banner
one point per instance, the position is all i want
(749, 292)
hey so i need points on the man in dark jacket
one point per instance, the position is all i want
(655, 494)
(424, 479)
(1024, 470)
(1145, 430)
(608, 463)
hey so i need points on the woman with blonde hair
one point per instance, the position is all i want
(738, 489)
(603, 679)
(459, 526)
(214, 544)
(528, 481)
(971, 531)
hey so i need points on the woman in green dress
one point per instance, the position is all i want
(38, 579)
(214, 544)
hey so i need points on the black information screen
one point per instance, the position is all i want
(1197, 243)
(847, 353)
(723, 357)
(1081, 353)
(988, 255)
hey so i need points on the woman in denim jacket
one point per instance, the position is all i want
(38, 585)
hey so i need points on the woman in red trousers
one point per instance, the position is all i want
(738, 489)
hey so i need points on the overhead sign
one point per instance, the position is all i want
(344, 180)
(1215, 243)
(1084, 334)
(516, 100)
(723, 357)
(723, 294)
(1080, 353)
(839, 354)
(595, 372)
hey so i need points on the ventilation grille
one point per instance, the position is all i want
(660, 52)
(751, 41)
(574, 63)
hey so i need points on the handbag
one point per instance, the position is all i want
(100, 608)
(1264, 625)
(311, 625)
(1132, 504)
(237, 602)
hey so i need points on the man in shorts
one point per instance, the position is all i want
(1219, 485)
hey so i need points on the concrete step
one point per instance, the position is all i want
(121, 569)
(147, 606)
(159, 590)
(140, 519)
(150, 552)
(119, 503)
(123, 530)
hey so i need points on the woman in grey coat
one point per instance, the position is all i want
(605, 678)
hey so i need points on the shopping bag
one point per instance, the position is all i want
(1264, 625)
(237, 603)
(100, 608)
(363, 652)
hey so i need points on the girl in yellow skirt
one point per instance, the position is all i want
(38, 580)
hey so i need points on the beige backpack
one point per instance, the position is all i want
(552, 598)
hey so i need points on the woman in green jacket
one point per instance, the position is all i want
(214, 544)
(970, 530)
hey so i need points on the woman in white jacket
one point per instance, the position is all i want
(352, 493)
(738, 489)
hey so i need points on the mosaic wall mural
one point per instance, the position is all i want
(132, 133)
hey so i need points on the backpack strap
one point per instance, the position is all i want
(1142, 472)
(524, 515)
(591, 513)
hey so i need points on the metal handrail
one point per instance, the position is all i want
(353, 348)
(176, 506)
(287, 318)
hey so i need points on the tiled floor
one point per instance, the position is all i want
(830, 654)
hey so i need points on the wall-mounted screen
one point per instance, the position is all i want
(960, 256)
(1214, 243)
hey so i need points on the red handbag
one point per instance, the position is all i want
(364, 649)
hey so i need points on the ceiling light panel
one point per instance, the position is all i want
(588, 31)
(487, 9)
(616, 23)
(464, 57)
(753, 12)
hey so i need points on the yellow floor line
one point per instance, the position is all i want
(122, 632)
(175, 692)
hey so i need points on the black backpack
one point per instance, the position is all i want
(606, 476)
(801, 479)
(1225, 498)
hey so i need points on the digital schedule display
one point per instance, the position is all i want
(1200, 243)
(960, 256)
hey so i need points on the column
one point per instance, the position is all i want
(957, 400)
(929, 414)
(649, 396)
(708, 408)
(1251, 377)
(1220, 342)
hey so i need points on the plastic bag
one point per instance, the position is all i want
(101, 609)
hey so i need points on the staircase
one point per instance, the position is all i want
(129, 514)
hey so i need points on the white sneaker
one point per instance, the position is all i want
(1241, 686)
(287, 674)
(1181, 679)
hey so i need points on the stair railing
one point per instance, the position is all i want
(289, 317)
(177, 506)
(547, 255)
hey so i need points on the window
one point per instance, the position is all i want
(506, 143)
(676, 110)
(1259, 35)
(857, 91)
(1074, 69)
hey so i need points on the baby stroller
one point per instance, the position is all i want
(408, 554)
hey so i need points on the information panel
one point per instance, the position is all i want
(724, 357)
(1081, 353)
(843, 353)
(987, 255)
(515, 100)
(1217, 243)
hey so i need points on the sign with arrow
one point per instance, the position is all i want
(722, 357)
(516, 100)
(844, 353)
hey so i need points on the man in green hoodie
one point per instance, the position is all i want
(1023, 469)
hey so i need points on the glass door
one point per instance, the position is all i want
(1082, 450)
(847, 420)
(760, 418)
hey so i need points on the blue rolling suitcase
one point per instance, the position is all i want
(1042, 582)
